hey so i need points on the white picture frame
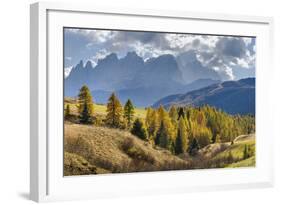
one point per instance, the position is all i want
(46, 178)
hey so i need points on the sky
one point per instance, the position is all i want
(232, 57)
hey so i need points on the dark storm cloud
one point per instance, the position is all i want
(233, 47)
(195, 43)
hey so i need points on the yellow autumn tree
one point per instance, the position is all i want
(114, 112)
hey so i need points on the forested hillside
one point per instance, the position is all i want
(122, 138)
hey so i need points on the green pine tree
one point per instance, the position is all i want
(181, 113)
(162, 136)
(139, 129)
(84, 116)
(129, 111)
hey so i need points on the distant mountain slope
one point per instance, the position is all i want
(146, 95)
(234, 97)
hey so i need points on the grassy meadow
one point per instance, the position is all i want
(100, 109)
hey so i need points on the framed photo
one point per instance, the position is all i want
(128, 102)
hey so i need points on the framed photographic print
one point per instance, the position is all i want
(127, 102)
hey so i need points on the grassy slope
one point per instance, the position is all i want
(237, 149)
(219, 152)
(104, 149)
(250, 162)
(101, 109)
(77, 165)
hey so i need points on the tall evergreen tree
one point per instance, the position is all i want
(163, 136)
(84, 116)
(85, 96)
(181, 113)
(114, 112)
(182, 138)
(129, 111)
(139, 129)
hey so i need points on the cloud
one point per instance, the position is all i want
(149, 51)
(101, 54)
(96, 36)
(227, 53)
(220, 53)
(232, 47)
(67, 71)
(68, 58)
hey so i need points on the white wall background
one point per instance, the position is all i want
(14, 101)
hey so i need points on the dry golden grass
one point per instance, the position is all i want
(99, 110)
(117, 150)
(212, 149)
(244, 138)
(77, 165)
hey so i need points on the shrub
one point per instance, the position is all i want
(127, 144)
(246, 153)
(135, 152)
(193, 147)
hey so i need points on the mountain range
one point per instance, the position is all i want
(234, 97)
(144, 82)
